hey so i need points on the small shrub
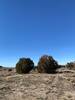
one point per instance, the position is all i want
(24, 65)
(47, 64)
(10, 69)
(71, 65)
(1, 66)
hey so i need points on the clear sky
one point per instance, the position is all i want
(31, 28)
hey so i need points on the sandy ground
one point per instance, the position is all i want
(60, 86)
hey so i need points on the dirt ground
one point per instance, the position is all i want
(59, 86)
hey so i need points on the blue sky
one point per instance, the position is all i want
(31, 28)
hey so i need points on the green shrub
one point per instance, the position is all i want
(47, 64)
(24, 65)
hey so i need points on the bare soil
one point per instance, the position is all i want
(59, 86)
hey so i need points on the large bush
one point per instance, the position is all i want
(47, 64)
(24, 65)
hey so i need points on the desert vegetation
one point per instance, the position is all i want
(47, 64)
(24, 65)
(71, 65)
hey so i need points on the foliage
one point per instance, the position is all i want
(24, 65)
(10, 69)
(71, 65)
(47, 64)
(1, 66)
